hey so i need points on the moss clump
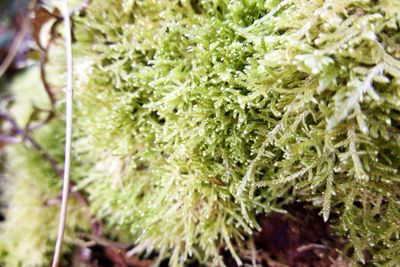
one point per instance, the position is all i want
(201, 114)
(195, 116)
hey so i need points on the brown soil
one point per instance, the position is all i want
(300, 240)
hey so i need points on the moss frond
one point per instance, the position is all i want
(195, 116)
(199, 115)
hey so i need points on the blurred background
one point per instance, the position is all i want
(13, 24)
(15, 44)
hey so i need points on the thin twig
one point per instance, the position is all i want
(20, 131)
(18, 40)
(9, 139)
(68, 135)
(44, 52)
(312, 246)
(49, 90)
(253, 252)
(43, 61)
(12, 138)
(96, 226)
(98, 240)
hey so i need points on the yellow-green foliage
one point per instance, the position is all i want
(27, 237)
(28, 94)
(28, 234)
(195, 116)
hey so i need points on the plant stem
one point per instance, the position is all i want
(68, 134)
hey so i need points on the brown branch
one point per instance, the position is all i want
(95, 225)
(43, 62)
(18, 40)
(20, 131)
(49, 90)
(98, 240)
(42, 16)
(115, 256)
(16, 129)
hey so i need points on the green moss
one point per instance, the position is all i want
(201, 114)
(195, 116)
(28, 235)
(31, 187)
(28, 97)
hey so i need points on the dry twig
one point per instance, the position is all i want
(68, 136)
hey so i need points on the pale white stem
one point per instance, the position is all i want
(68, 134)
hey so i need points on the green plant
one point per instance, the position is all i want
(195, 116)
(31, 195)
